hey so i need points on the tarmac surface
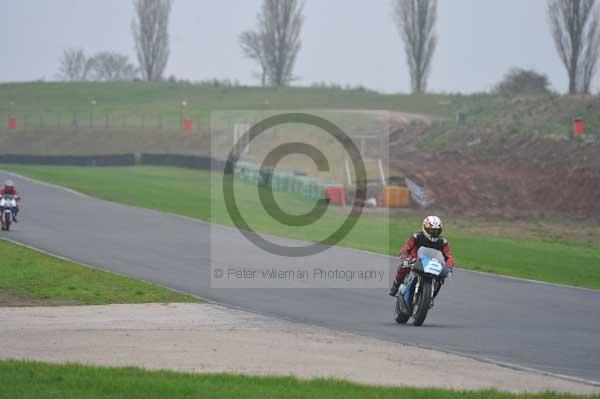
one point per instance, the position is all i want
(517, 323)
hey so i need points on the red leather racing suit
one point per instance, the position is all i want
(12, 192)
(416, 241)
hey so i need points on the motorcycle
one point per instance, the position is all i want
(8, 206)
(422, 286)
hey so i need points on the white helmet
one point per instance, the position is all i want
(432, 227)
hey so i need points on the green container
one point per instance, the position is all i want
(240, 170)
(285, 181)
(265, 176)
(252, 173)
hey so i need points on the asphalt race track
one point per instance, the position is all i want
(549, 328)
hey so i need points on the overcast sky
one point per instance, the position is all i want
(343, 41)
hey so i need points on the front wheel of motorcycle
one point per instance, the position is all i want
(401, 317)
(423, 302)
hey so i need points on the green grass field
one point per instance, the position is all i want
(28, 274)
(545, 258)
(29, 380)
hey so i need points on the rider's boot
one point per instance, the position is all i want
(395, 288)
(15, 216)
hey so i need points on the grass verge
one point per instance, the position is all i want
(548, 259)
(25, 380)
(27, 274)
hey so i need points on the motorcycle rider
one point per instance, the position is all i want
(431, 237)
(9, 189)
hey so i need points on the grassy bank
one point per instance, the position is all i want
(137, 98)
(540, 257)
(29, 275)
(39, 380)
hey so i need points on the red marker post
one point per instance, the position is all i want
(187, 125)
(578, 127)
(12, 122)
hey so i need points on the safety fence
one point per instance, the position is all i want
(90, 119)
(293, 182)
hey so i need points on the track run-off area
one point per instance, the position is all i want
(549, 328)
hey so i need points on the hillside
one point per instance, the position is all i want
(509, 158)
(61, 100)
(506, 157)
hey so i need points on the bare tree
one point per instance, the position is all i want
(151, 35)
(252, 48)
(74, 65)
(112, 67)
(415, 20)
(591, 54)
(574, 25)
(276, 42)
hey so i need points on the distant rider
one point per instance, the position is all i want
(9, 189)
(430, 237)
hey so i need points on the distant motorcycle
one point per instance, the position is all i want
(8, 207)
(422, 286)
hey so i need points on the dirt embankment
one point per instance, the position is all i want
(211, 338)
(508, 177)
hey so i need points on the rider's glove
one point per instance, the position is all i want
(405, 263)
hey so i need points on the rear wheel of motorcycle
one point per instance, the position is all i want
(423, 303)
(401, 317)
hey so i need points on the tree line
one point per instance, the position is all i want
(150, 30)
(275, 43)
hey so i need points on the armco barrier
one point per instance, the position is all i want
(70, 160)
(418, 193)
(182, 161)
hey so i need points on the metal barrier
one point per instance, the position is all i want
(70, 160)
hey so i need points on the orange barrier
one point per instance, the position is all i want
(396, 197)
(336, 195)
